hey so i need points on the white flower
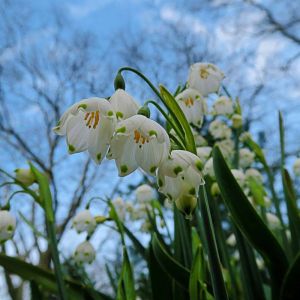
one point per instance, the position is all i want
(273, 221)
(239, 176)
(260, 263)
(245, 136)
(200, 141)
(246, 157)
(139, 142)
(237, 121)
(204, 153)
(219, 130)
(209, 168)
(144, 193)
(223, 106)
(120, 207)
(253, 173)
(84, 221)
(25, 176)
(85, 253)
(123, 104)
(193, 106)
(205, 77)
(231, 240)
(89, 125)
(179, 178)
(7, 225)
(226, 146)
(296, 167)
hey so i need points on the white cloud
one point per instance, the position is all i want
(182, 19)
(84, 9)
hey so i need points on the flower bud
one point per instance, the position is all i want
(215, 190)
(119, 82)
(237, 121)
(144, 111)
(84, 253)
(84, 221)
(25, 176)
(231, 240)
(186, 204)
(7, 225)
(144, 193)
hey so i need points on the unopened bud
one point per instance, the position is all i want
(215, 190)
(237, 121)
(145, 111)
(119, 82)
(25, 176)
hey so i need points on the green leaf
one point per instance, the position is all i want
(126, 289)
(293, 214)
(114, 215)
(161, 282)
(257, 190)
(291, 288)
(179, 117)
(248, 221)
(175, 270)
(46, 279)
(45, 193)
(197, 287)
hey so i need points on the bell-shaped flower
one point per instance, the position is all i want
(144, 193)
(253, 174)
(223, 106)
(219, 130)
(246, 157)
(139, 142)
(179, 178)
(84, 221)
(123, 104)
(205, 77)
(7, 225)
(85, 253)
(204, 153)
(193, 106)
(25, 176)
(89, 125)
(296, 167)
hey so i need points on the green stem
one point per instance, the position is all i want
(213, 255)
(55, 257)
(155, 90)
(178, 132)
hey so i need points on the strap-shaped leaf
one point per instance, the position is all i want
(291, 288)
(179, 117)
(46, 279)
(175, 270)
(126, 289)
(249, 222)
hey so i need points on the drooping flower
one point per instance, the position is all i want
(144, 193)
(193, 106)
(296, 167)
(273, 221)
(205, 77)
(7, 225)
(246, 157)
(204, 153)
(219, 130)
(84, 221)
(139, 142)
(237, 121)
(223, 106)
(253, 173)
(85, 253)
(231, 240)
(123, 104)
(25, 176)
(179, 178)
(239, 176)
(226, 146)
(89, 125)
